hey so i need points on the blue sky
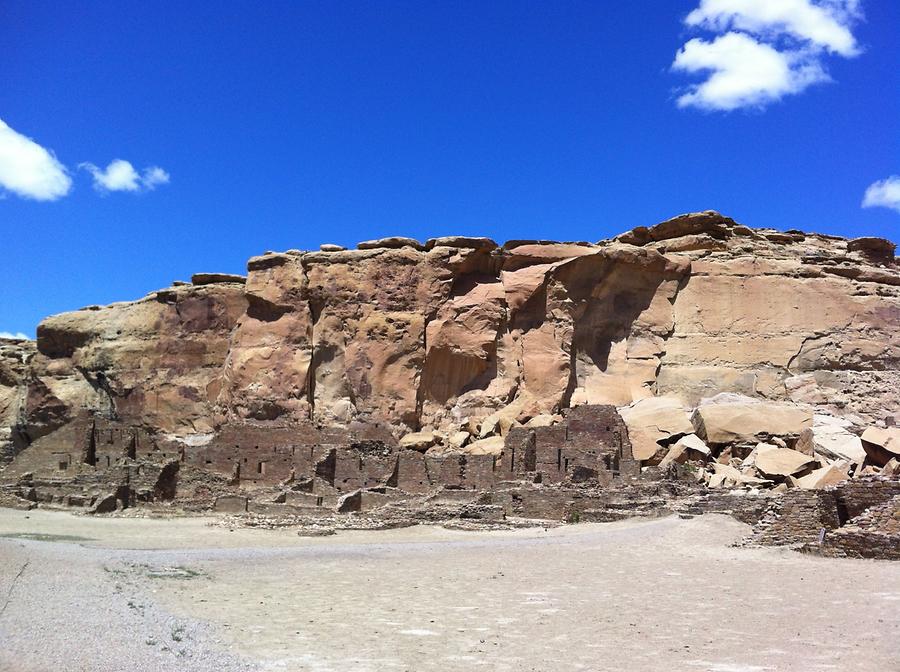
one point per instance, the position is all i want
(267, 126)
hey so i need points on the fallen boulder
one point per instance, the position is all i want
(420, 441)
(892, 468)
(822, 478)
(729, 418)
(350, 502)
(832, 438)
(688, 447)
(773, 461)
(652, 420)
(881, 444)
(458, 439)
(725, 474)
(492, 445)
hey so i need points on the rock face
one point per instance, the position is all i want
(459, 342)
(157, 361)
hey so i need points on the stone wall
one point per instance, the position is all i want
(592, 443)
(875, 533)
(855, 496)
(797, 518)
(842, 511)
(589, 446)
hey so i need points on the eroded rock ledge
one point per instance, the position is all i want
(451, 355)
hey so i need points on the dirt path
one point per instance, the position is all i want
(662, 595)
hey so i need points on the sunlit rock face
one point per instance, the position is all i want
(156, 361)
(462, 335)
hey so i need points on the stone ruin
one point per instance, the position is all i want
(295, 468)
(580, 469)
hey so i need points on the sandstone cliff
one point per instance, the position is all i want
(460, 334)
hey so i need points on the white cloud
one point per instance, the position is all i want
(29, 170)
(825, 24)
(17, 336)
(745, 73)
(120, 175)
(769, 49)
(883, 194)
(154, 176)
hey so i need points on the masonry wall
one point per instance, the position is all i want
(592, 441)
(797, 518)
(591, 445)
(857, 495)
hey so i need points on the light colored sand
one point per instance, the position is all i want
(661, 595)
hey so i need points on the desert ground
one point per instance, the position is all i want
(109, 594)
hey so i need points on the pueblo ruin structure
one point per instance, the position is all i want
(693, 365)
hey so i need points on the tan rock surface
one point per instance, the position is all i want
(418, 440)
(831, 474)
(773, 461)
(832, 437)
(652, 420)
(729, 418)
(492, 445)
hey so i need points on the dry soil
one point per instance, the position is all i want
(112, 594)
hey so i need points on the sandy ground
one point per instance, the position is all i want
(670, 594)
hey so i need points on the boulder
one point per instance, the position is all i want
(420, 441)
(458, 439)
(105, 504)
(881, 444)
(773, 461)
(350, 502)
(652, 420)
(526, 255)
(691, 243)
(331, 247)
(490, 446)
(731, 476)
(832, 437)
(709, 222)
(499, 422)
(543, 420)
(729, 418)
(717, 480)
(818, 479)
(688, 447)
(892, 468)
